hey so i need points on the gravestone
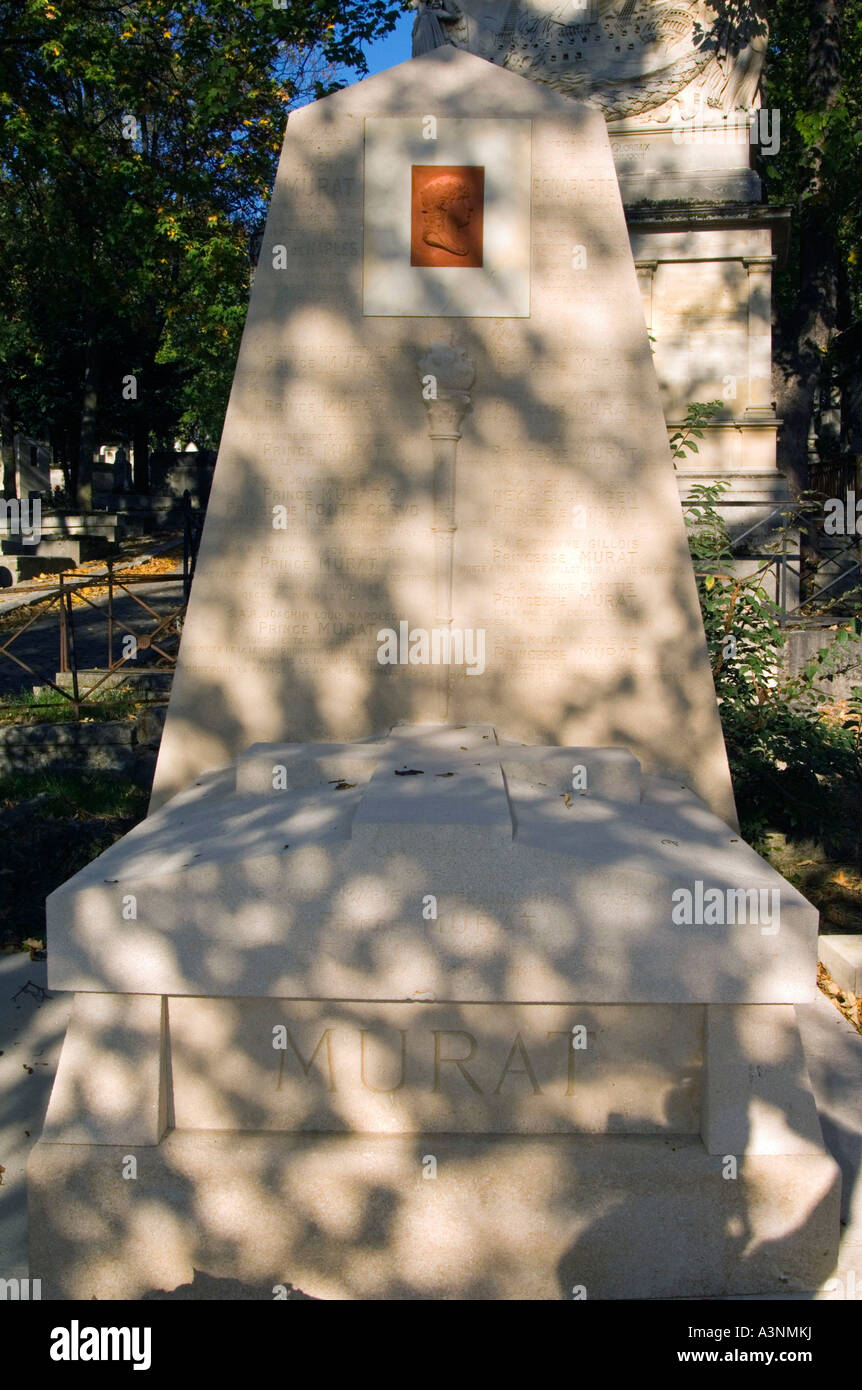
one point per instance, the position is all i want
(438, 969)
(32, 469)
(569, 548)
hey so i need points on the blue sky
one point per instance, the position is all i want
(394, 49)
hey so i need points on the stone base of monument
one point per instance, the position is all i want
(509, 1217)
(433, 1016)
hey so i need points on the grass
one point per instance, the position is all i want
(77, 816)
(53, 708)
(800, 776)
(74, 795)
(798, 786)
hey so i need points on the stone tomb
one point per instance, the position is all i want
(418, 1021)
(438, 980)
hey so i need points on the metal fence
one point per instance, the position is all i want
(786, 571)
(162, 637)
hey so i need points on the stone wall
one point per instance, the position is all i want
(126, 748)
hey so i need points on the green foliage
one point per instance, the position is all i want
(51, 826)
(131, 255)
(795, 769)
(53, 707)
(819, 163)
(853, 722)
(697, 417)
(795, 773)
(742, 622)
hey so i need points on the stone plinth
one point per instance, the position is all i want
(354, 1217)
(302, 874)
(433, 988)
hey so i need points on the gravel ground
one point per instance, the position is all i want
(40, 645)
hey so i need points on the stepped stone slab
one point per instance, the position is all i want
(321, 891)
(390, 1213)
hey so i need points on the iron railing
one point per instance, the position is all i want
(786, 560)
(835, 477)
(70, 586)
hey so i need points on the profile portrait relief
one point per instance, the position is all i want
(447, 215)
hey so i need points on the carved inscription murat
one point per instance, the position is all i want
(429, 1068)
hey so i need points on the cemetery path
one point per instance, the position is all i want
(40, 645)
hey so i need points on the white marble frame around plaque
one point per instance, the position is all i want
(500, 287)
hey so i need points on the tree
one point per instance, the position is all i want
(138, 144)
(812, 77)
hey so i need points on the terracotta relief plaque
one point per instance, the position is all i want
(447, 215)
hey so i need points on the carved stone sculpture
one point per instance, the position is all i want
(428, 31)
(647, 58)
